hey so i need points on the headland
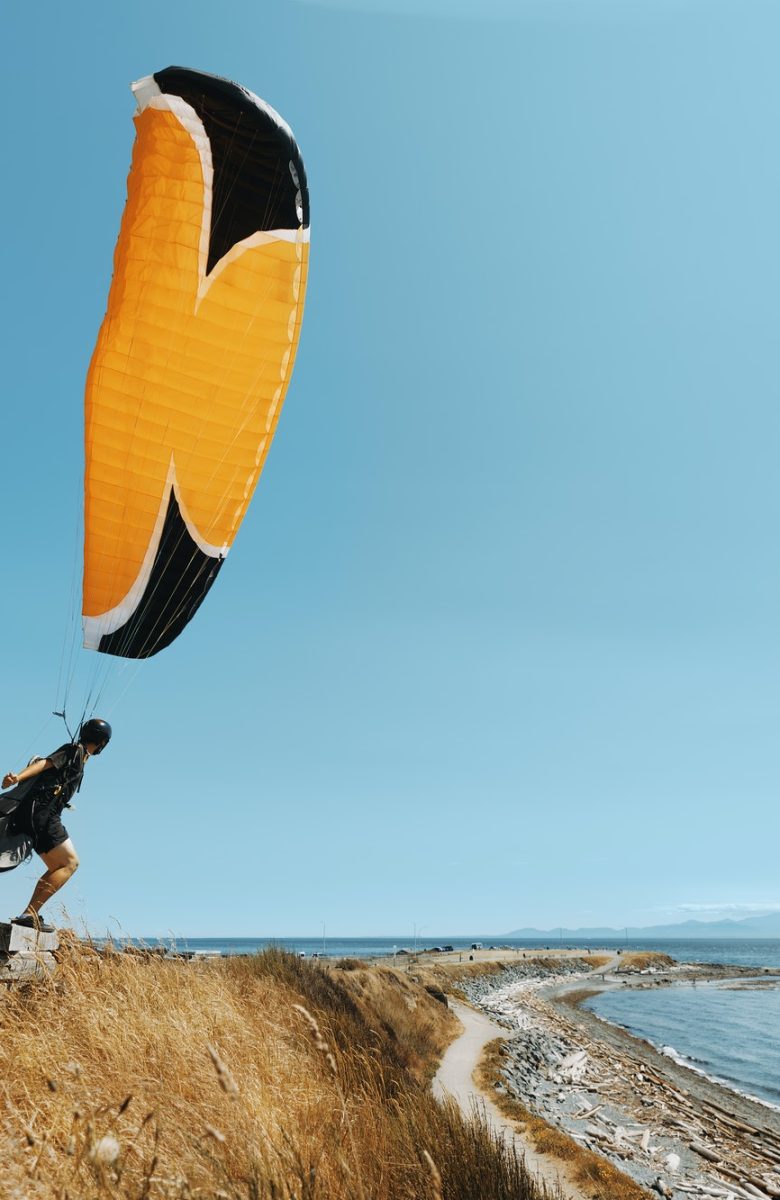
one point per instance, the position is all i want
(586, 1090)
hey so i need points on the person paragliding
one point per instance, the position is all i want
(186, 384)
(46, 787)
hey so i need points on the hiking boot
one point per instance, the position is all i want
(33, 921)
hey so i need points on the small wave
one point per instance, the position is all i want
(691, 1065)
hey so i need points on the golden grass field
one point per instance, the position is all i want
(259, 1078)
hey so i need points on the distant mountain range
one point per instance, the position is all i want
(767, 926)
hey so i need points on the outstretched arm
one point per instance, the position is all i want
(43, 764)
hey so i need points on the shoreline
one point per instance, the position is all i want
(572, 1003)
(666, 1125)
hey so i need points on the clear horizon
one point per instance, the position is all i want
(426, 938)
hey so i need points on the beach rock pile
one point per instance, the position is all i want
(635, 1119)
(619, 1103)
(482, 988)
(535, 1060)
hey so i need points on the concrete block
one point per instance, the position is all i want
(17, 967)
(17, 939)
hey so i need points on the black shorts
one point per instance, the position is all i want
(44, 825)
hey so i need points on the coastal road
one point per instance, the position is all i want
(455, 1078)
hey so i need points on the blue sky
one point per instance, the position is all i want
(497, 644)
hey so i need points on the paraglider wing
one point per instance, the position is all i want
(194, 355)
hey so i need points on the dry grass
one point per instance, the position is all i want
(467, 970)
(264, 1078)
(544, 964)
(640, 960)
(448, 975)
(595, 1174)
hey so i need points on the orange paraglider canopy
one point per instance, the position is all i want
(194, 355)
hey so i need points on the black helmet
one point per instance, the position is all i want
(96, 731)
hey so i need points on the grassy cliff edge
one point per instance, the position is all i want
(127, 1076)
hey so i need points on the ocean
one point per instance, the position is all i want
(765, 953)
(726, 1029)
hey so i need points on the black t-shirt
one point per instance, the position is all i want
(56, 786)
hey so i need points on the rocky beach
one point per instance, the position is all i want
(670, 1128)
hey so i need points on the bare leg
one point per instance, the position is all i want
(61, 862)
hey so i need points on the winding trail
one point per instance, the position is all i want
(693, 1102)
(454, 1078)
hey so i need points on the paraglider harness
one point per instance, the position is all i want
(16, 846)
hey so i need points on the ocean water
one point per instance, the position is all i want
(728, 1030)
(764, 953)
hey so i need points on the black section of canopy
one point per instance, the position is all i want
(181, 577)
(254, 188)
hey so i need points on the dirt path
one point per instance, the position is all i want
(455, 1078)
